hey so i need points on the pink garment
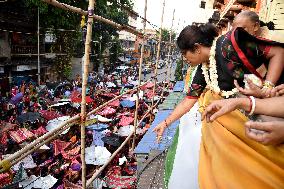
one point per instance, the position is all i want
(124, 121)
(21, 135)
(107, 111)
(14, 91)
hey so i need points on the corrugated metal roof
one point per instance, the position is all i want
(148, 142)
(171, 101)
(179, 86)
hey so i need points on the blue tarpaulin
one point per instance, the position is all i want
(97, 138)
(127, 103)
(17, 98)
(98, 126)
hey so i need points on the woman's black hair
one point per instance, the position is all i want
(270, 25)
(191, 35)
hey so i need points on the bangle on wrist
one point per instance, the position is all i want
(268, 85)
(252, 105)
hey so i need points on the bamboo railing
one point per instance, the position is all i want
(98, 172)
(158, 52)
(140, 74)
(169, 65)
(7, 163)
(84, 87)
(96, 17)
(44, 139)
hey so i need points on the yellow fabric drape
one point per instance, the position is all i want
(229, 160)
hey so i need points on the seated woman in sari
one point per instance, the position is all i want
(249, 20)
(227, 158)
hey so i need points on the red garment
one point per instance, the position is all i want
(26, 99)
(59, 146)
(124, 80)
(71, 154)
(21, 135)
(5, 179)
(114, 103)
(115, 180)
(75, 94)
(40, 131)
(78, 99)
(147, 86)
(4, 138)
(49, 115)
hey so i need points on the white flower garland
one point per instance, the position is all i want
(212, 78)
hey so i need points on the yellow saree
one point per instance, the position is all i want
(229, 160)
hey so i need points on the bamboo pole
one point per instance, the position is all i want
(169, 61)
(96, 17)
(158, 54)
(38, 49)
(226, 9)
(96, 174)
(139, 77)
(171, 65)
(84, 87)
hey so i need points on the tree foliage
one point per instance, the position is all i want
(178, 71)
(56, 18)
(108, 35)
(166, 35)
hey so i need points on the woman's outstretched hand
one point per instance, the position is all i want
(159, 130)
(253, 90)
(258, 92)
(278, 90)
(218, 108)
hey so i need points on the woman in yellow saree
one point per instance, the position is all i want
(227, 158)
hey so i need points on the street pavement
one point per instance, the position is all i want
(162, 76)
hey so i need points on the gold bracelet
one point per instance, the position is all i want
(268, 85)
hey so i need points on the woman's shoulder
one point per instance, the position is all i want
(274, 36)
(221, 38)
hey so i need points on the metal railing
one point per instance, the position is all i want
(25, 49)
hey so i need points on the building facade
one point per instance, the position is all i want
(20, 47)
